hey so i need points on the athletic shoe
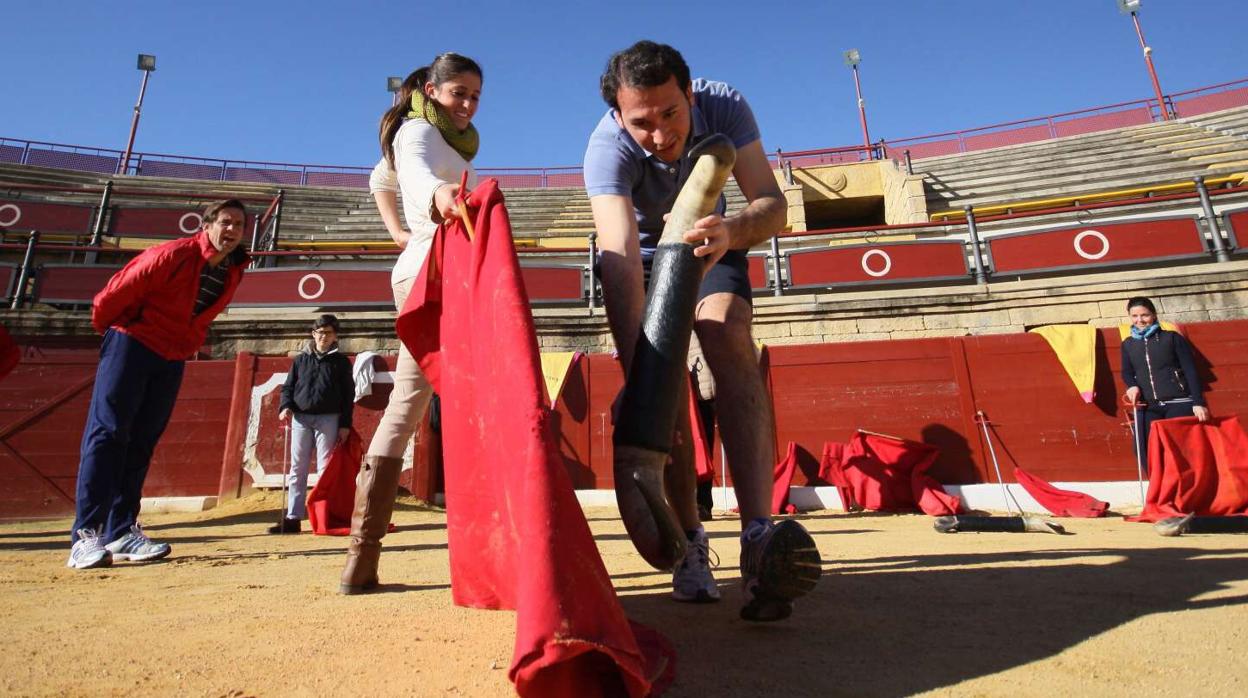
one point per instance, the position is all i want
(286, 525)
(779, 563)
(136, 547)
(692, 582)
(88, 552)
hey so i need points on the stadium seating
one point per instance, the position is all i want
(1116, 159)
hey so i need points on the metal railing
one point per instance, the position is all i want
(105, 160)
(774, 259)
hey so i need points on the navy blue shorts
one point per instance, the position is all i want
(731, 274)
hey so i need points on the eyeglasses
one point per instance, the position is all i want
(326, 332)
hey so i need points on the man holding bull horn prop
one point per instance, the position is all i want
(671, 261)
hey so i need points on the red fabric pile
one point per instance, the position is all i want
(884, 473)
(518, 538)
(1058, 501)
(331, 502)
(1196, 468)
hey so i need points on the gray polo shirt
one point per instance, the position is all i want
(616, 165)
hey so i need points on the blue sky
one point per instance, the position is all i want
(305, 81)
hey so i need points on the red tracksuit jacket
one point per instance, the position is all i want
(153, 297)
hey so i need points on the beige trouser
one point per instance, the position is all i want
(408, 400)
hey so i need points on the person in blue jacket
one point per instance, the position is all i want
(1160, 373)
(317, 398)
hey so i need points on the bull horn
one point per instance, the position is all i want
(648, 407)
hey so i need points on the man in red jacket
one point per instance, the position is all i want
(154, 313)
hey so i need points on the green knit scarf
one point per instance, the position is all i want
(464, 142)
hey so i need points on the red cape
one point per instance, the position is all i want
(517, 535)
(1196, 468)
(1058, 501)
(883, 473)
(332, 501)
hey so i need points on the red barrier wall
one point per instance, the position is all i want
(43, 408)
(924, 389)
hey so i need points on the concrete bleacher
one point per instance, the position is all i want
(1121, 158)
(556, 216)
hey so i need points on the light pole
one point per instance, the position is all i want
(147, 64)
(852, 59)
(1132, 7)
(394, 85)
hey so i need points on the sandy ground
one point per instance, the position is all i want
(1111, 610)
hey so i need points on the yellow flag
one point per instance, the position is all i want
(555, 368)
(1075, 346)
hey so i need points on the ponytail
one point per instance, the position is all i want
(393, 118)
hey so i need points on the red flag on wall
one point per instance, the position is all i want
(517, 536)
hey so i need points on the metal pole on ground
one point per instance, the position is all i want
(1134, 425)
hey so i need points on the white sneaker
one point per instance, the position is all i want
(87, 552)
(692, 582)
(137, 547)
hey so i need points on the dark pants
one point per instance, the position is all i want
(1153, 413)
(135, 390)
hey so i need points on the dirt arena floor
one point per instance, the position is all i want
(1112, 609)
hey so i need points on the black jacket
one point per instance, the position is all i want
(320, 385)
(1162, 367)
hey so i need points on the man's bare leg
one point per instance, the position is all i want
(741, 403)
(779, 562)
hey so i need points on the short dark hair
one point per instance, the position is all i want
(216, 207)
(644, 64)
(326, 320)
(1143, 302)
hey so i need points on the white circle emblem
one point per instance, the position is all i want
(196, 220)
(888, 263)
(17, 214)
(1091, 234)
(303, 293)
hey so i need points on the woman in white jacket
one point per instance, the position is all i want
(427, 143)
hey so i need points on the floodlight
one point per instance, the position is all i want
(1126, 7)
(394, 84)
(852, 58)
(147, 62)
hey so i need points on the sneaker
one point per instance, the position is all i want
(136, 547)
(779, 563)
(88, 552)
(692, 582)
(286, 526)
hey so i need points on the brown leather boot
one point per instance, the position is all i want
(375, 490)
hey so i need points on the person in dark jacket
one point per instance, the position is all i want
(1160, 373)
(154, 314)
(318, 396)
